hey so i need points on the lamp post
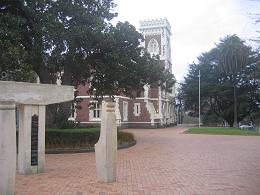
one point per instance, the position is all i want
(199, 98)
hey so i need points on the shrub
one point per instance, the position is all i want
(71, 138)
(62, 122)
(211, 119)
(125, 137)
(79, 138)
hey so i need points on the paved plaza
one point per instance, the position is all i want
(163, 162)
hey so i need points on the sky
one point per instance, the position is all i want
(196, 25)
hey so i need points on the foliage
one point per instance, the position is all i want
(55, 39)
(167, 80)
(211, 119)
(61, 120)
(233, 56)
(125, 137)
(219, 81)
(57, 35)
(79, 138)
(187, 119)
(122, 67)
(222, 131)
(74, 41)
(71, 138)
(12, 55)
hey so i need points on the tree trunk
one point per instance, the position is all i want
(62, 111)
(45, 78)
(43, 73)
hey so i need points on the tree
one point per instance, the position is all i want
(122, 67)
(59, 36)
(233, 56)
(74, 41)
(217, 84)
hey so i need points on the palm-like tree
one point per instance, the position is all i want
(233, 57)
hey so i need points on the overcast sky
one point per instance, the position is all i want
(196, 25)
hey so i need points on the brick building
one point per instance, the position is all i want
(155, 108)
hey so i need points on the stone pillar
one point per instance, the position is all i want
(106, 148)
(117, 112)
(31, 152)
(160, 104)
(7, 148)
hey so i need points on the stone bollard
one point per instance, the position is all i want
(106, 148)
(7, 148)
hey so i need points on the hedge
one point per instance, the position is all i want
(79, 138)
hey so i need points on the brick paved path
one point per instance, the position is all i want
(163, 162)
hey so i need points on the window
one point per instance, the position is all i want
(153, 47)
(125, 111)
(95, 111)
(137, 109)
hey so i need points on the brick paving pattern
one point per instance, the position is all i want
(164, 162)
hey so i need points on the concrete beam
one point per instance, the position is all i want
(35, 94)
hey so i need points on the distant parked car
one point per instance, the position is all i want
(246, 127)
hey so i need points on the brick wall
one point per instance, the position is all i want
(153, 92)
(83, 113)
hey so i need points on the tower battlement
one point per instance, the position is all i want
(155, 23)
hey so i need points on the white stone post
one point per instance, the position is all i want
(26, 112)
(160, 105)
(106, 148)
(7, 148)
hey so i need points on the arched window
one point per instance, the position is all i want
(153, 47)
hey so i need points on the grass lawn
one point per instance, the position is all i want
(222, 131)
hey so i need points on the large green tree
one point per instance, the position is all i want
(56, 36)
(233, 56)
(74, 40)
(217, 83)
(123, 67)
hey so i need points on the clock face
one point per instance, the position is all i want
(153, 47)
